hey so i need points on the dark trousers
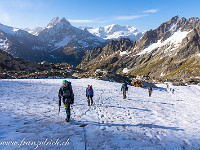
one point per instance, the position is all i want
(150, 92)
(124, 94)
(67, 108)
(90, 100)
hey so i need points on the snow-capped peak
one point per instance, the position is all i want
(116, 28)
(115, 31)
(57, 20)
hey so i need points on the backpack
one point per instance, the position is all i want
(66, 92)
(150, 89)
(126, 87)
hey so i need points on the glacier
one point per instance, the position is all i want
(29, 116)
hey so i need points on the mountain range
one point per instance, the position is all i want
(59, 41)
(170, 51)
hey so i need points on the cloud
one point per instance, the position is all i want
(125, 18)
(96, 20)
(151, 11)
(81, 21)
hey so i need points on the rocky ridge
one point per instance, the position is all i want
(11, 67)
(170, 52)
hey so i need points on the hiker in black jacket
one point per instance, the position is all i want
(67, 95)
(150, 91)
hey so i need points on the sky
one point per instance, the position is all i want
(142, 14)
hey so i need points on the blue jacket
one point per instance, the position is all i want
(124, 88)
(89, 91)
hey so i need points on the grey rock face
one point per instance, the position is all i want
(164, 56)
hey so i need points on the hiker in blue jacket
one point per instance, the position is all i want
(173, 91)
(89, 94)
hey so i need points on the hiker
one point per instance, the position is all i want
(67, 95)
(150, 91)
(89, 94)
(167, 86)
(124, 88)
(173, 91)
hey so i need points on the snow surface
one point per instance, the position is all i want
(29, 113)
(174, 41)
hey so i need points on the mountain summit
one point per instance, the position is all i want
(57, 21)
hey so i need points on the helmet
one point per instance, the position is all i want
(65, 82)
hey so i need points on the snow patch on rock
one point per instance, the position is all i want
(63, 42)
(3, 44)
(125, 70)
(173, 41)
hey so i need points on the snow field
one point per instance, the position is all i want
(29, 110)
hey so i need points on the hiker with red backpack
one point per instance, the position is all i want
(89, 94)
(67, 96)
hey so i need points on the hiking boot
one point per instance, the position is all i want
(88, 104)
(91, 103)
(67, 119)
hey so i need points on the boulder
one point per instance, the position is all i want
(139, 83)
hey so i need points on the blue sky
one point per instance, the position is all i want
(142, 14)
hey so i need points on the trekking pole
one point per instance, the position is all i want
(59, 103)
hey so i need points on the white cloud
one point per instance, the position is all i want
(96, 20)
(125, 18)
(81, 21)
(151, 11)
